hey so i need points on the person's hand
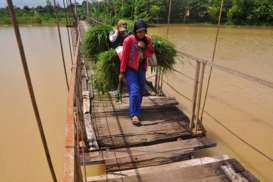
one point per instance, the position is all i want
(141, 44)
(120, 77)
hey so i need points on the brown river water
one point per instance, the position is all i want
(240, 95)
(241, 103)
(21, 154)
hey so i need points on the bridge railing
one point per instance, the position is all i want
(75, 132)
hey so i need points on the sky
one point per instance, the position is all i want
(30, 3)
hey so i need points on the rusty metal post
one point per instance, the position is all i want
(156, 79)
(195, 90)
(199, 99)
(30, 88)
(213, 57)
(87, 8)
(161, 82)
(169, 17)
(67, 29)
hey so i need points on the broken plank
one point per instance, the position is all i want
(135, 157)
(195, 170)
(91, 137)
(118, 131)
(232, 175)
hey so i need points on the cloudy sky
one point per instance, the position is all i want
(21, 3)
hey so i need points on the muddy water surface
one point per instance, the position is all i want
(21, 154)
(240, 95)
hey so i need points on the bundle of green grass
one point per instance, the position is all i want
(107, 61)
(107, 65)
(96, 40)
(107, 71)
(165, 53)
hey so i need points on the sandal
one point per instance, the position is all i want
(136, 121)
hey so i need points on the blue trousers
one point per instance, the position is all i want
(136, 85)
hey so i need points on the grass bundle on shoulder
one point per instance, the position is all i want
(107, 70)
(96, 40)
(165, 53)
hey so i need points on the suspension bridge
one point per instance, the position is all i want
(98, 131)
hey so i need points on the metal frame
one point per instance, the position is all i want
(75, 133)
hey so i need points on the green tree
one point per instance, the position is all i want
(241, 11)
(154, 12)
(263, 11)
(141, 10)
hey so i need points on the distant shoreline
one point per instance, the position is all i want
(51, 24)
(63, 24)
(213, 25)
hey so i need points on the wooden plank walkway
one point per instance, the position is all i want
(161, 121)
(207, 169)
(152, 155)
(161, 149)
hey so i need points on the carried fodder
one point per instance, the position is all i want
(107, 71)
(96, 40)
(165, 53)
(107, 61)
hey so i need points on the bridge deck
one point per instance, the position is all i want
(207, 169)
(161, 121)
(159, 150)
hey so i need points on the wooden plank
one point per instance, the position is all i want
(195, 170)
(170, 177)
(157, 169)
(135, 157)
(86, 101)
(232, 175)
(238, 167)
(115, 129)
(149, 102)
(118, 131)
(91, 137)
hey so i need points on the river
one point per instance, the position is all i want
(243, 105)
(21, 156)
(240, 95)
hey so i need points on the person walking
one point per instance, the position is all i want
(117, 36)
(136, 49)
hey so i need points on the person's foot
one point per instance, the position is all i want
(136, 121)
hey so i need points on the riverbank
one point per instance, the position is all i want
(213, 25)
(43, 23)
(63, 23)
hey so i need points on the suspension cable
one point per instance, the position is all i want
(212, 59)
(161, 72)
(30, 89)
(223, 125)
(60, 40)
(67, 29)
(72, 13)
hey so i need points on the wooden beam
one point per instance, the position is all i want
(135, 157)
(196, 170)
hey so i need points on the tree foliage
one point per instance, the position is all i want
(189, 11)
(242, 12)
